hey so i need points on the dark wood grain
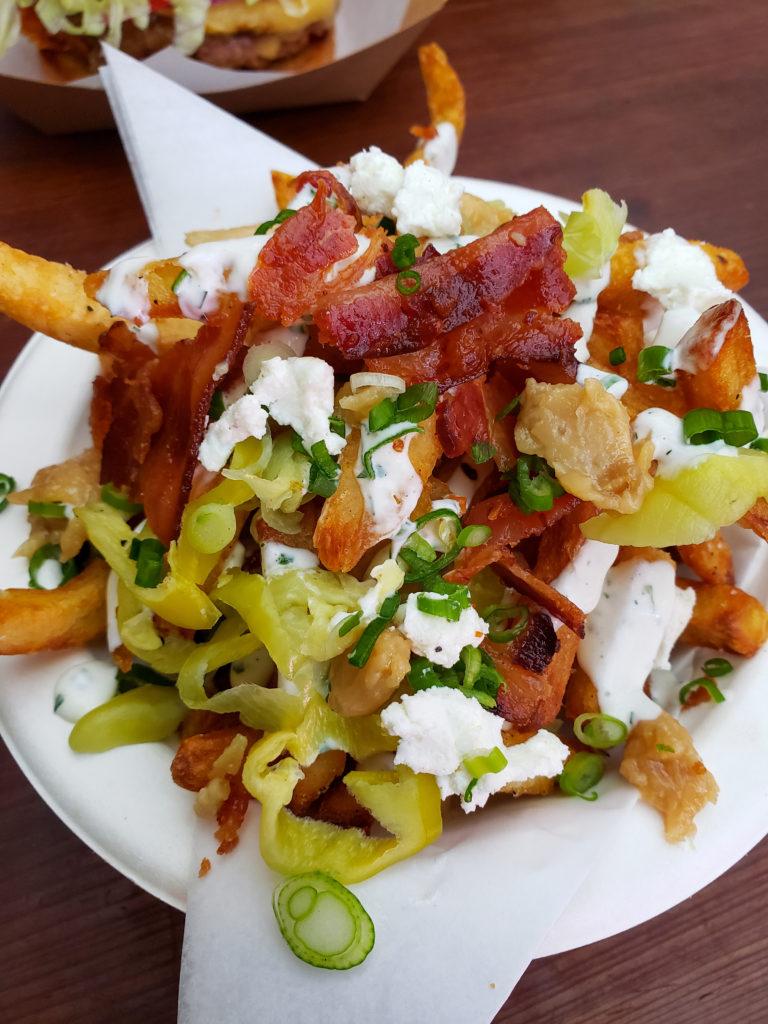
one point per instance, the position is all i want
(661, 103)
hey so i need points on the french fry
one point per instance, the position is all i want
(757, 519)
(729, 266)
(711, 560)
(50, 297)
(721, 346)
(34, 620)
(580, 695)
(725, 618)
(445, 96)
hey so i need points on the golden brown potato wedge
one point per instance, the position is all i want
(720, 344)
(711, 560)
(725, 618)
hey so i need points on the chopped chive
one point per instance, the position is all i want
(509, 408)
(763, 381)
(496, 615)
(368, 454)
(149, 556)
(337, 425)
(617, 356)
(404, 252)
(702, 426)
(115, 498)
(717, 667)
(47, 509)
(282, 216)
(51, 553)
(361, 652)
(533, 487)
(738, 427)
(382, 415)
(599, 730)
(653, 364)
(7, 486)
(349, 623)
(408, 282)
(706, 684)
(580, 773)
(442, 607)
(182, 274)
(482, 451)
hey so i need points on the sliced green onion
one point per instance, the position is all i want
(216, 408)
(533, 488)
(182, 274)
(348, 624)
(211, 527)
(7, 486)
(51, 553)
(509, 408)
(653, 364)
(382, 414)
(48, 509)
(600, 731)
(140, 675)
(408, 282)
(580, 773)
(150, 566)
(617, 356)
(368, 454)
(388, 224)
(498, 614)
(283, 215)
(417, 402)
(323, 470)
(404, 253)
(472, 660)
(706, 684)
(437, 513)
(482, 451)
(361, 652)
(760, 445)
(474, 674)
(337, 425)
(442, 607)
(324, 924)
(703, 426)
(763, 381)
(738, 427)
(665, 748)
(111, 496)
(715, 667)
(483, 764)
(470, 537)
(421, 548)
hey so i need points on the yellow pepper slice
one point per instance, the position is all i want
(690, 507)
(144, 715)
(177, 599)
(406, 804)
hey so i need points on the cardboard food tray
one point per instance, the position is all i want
(367, 41)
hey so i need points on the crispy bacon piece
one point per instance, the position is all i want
(156, 408)
(455, 288)
(461, 418)
(344, 198)
(525, 582)
(536, 667)
(290, 275)
(509, 525)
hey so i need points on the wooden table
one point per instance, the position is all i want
(661, 103)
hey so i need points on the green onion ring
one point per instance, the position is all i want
(599, 731)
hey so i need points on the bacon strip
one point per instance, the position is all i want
(151, 411)
(290, 275)
(378, 320)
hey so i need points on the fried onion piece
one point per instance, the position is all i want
(711, 560)
(725, 618)
(584, 434)
(661, 761)
(346, 529)
(50, 620)
(445, 97)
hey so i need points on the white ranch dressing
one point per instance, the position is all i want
(583, 307)
(278, 558)
(363, 242)
(582, 579)
(391, 494)
(216, 267)
(84, 687)
(629, 632)
(612, 382)
(684, 355)
(124, 293)
(671, 452)
(441, 151)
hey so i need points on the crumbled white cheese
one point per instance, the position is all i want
(374, 180)
(428, 202)
(440, 728)
(437, 638)
(296, 392)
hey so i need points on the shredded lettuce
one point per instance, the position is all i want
(590, 235)
(276, 474)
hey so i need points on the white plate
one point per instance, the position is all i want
(103, 798)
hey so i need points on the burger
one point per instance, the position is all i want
(249, 34)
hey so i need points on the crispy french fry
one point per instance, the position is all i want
(721, 346)
(50, 620)
(580, 695)
(50, 297)
(445, 96)
(661, 761)
(711, 560)
(482, 216)
(728, 265)
(283, 188)
(725, 618)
